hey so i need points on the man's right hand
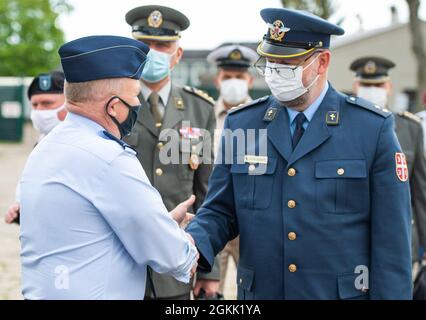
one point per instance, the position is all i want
(12, 213)
(180, 214)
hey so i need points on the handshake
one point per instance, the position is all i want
(181, 215)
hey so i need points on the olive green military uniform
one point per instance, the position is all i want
(175, 182)
(181, 113)
(410, 135)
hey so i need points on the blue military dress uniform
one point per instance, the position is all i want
(90, 218)
(325, 217)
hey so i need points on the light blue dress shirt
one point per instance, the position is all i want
(309, 112)
(90, 220)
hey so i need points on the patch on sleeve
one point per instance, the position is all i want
(401, 166)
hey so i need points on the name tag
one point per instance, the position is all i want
(256, 159)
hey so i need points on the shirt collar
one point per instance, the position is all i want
(84, 121)
(164, 92)
(310, 111)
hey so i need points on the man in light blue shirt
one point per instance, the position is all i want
(90, 220)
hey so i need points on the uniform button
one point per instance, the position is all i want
(252, 167)
(160, 145)
(241, 281)
(291, 204)
(158, 125)
(159, 172)
(340, 171)
(292, 268)
(291, 172)
(292, 236)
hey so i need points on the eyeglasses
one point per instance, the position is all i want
(285, 72)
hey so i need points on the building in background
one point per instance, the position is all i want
(392, 42)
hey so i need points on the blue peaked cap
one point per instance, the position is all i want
(293, 33)
(102, 57)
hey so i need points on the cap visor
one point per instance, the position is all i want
(267, 49)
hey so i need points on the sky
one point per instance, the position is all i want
(216, 21)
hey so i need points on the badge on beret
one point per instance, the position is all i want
(332, 118)
(401, 166)
(277, 30)
(45, 82)
(155, 19)
(190, 133)
(370, 67)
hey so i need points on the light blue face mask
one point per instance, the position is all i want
(157, 66)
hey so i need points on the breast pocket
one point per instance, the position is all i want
(253, 188)
(342, 186)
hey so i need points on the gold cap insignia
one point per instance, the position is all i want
(235, 55)
(277, 30)
(155, 19)
(370, 67)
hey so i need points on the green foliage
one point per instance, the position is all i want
(30, 36)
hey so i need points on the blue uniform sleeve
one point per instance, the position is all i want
(390, 269)
(215, 222)
(136, 213)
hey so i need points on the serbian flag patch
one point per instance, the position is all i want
(401, 166)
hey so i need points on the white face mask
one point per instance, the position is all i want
(288, 89)
(375, 95)
(234, 91)
(45, 120)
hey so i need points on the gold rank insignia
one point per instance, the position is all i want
(370, 67)
(332, 118)
(277, 30)
(270, 114)
(155, 19)
(194, 162)
(179, 104)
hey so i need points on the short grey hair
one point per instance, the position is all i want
(89, 91)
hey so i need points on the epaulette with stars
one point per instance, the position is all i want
(369, 106)
(249, 104)
(199, 93)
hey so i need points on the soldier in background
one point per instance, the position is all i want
(233, 80)
(46, 95)
(422, 116)
(372, 82)
(168, 108)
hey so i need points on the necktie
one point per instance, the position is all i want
(154, 100)
(298, 132)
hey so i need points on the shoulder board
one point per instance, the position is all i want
(368, 105)
(249, 104)
(199, 93)
(410, 116)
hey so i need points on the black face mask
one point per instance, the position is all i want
(126, 127)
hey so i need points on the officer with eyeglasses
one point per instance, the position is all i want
(321, 203)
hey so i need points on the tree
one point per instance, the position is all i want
(418, 47)
(30, 36)
(322, 8)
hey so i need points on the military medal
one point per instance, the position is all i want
(194, 162)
